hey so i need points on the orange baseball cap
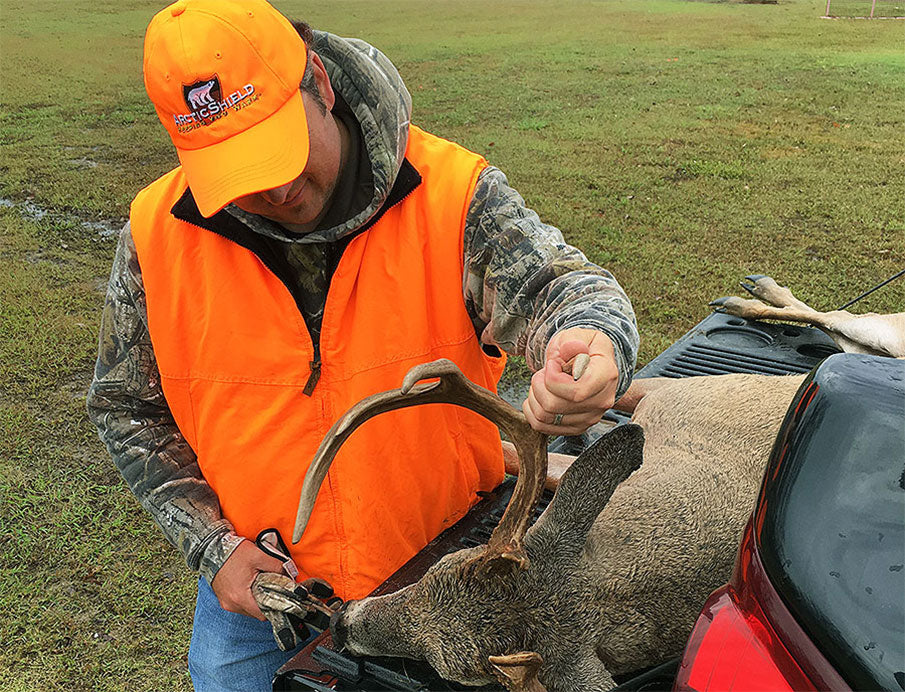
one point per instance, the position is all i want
(224, 79)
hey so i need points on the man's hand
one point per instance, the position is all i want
(557, 404)
(232, 583)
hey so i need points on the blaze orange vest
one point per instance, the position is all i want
(235, 355)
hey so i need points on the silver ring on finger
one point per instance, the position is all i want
(557, 419)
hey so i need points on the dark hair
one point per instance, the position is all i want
(308, 85)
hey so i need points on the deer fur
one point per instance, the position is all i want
(619, 563)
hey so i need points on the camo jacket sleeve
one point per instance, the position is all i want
(523, 283)
(126, 403)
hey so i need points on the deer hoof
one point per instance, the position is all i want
(736, 306)
(760, 283)
(750, 288)
(719, 302)
(767, 290)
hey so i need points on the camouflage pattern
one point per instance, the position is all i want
(522, 284)
(127, 404)
(382, 105)
(292, 609)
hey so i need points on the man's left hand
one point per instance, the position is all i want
(557, 404)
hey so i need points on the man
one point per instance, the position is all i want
(312, 247)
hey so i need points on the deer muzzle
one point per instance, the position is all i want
(338, 629)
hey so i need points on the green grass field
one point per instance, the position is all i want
(681, 144)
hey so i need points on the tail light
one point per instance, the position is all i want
(746, 640)
(731, 649)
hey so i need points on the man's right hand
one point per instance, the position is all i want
(232, 583)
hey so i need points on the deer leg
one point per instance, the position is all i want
(882, 335)
(756, 310)
(773, 302)
(766, 289)
(638, 389)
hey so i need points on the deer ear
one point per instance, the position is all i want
(585, 489)
(518, 672)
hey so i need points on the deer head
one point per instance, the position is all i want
(520, 608)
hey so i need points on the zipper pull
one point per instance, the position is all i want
(313, 378)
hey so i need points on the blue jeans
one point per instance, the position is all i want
(231, 651)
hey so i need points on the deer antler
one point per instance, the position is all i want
(518, 672)
(453, 388)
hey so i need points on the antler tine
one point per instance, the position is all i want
(518, 672)
(453, 388)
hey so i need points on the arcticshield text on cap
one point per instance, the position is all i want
(224, 78)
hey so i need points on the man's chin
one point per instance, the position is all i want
(297, 220)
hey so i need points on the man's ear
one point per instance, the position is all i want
(322, 80)
(518, 672)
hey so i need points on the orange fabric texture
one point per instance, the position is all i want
(234, 352)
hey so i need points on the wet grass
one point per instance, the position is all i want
(682, 145)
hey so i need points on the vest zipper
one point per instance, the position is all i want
(235, 231)
(411, 180)
(315, 375)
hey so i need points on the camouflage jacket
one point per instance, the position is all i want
(521, 284)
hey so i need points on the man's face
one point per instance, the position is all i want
(301, 203)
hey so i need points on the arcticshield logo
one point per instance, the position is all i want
(201, 94)
(206, 103)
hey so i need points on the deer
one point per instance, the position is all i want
(611, 576)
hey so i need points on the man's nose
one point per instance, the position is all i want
(277, 195)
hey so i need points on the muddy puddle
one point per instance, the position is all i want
(27, 209)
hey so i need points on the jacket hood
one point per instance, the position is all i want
(373, 89)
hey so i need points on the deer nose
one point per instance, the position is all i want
(338, 629)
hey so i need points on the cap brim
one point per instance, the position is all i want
(266, 155)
